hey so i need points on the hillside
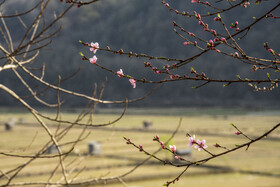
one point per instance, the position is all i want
(145, 26)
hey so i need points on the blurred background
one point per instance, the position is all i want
(144, 26)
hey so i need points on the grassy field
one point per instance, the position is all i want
(259, 166)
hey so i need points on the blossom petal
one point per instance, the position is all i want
(120, 73)
(133, 82)
(93, 59)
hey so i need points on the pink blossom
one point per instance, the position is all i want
(128, 141)
(93, 59)
(194, 1)
(200, 145)
(255, 68)
(237, 133)
(173, 148)
(192, 140)
(191, 34)
(236, 54)
(161, 145)
(120, 73)
(157, 137)
(216, 39)
(216, 19)
(197, 16)
(216, 145)
(176, 157)
(211, 42)
(133, 82)
(246, 4)
(270, 50)
(147, 64)
(224, 40)
(213, 32)
(205, 28)
(186, 43)
(140, 148)
(94, 47)
(158, 72)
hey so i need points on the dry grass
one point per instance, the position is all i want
(256, 164)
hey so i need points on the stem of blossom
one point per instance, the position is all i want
(230, 36)
(241, 132)
(140, 148)
(205, 149)
(219, 146)
(178, 177)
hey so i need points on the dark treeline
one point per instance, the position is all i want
(145, 26)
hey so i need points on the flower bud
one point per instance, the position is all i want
(224, 40)
(237, 133)
(216, 19)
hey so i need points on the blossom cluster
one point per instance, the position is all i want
(210, 44)
(94, 47)
(132, 81)
(199, 145)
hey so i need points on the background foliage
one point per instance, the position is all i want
(146, 27)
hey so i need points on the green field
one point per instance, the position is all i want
(259, 166)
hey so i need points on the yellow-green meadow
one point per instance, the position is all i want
(258, 166)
